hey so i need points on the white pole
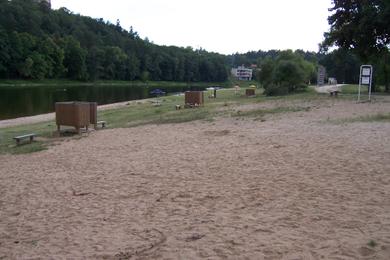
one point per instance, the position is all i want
(369, 91)
(360, 82)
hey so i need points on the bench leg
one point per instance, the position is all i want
(17, 141)
(31, 139)
(103, 125)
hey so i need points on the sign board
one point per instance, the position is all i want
(366, 71)
(365, 78)
(321, 76)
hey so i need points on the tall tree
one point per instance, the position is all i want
(58, 43)
(74, 59)
(361, 25)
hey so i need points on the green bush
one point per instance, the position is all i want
(286, 74)
(276, 89)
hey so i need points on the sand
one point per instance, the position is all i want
(296, 186)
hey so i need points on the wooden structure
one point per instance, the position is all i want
(76, 114)
(27, 136)
(193, 98)
(249, 92)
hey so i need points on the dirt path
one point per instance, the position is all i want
(328, 88)
(298, 185)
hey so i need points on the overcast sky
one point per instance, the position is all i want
(223, 26)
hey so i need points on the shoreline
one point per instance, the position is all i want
(51, 116)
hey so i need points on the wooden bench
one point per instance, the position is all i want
(102, 123)
(21, 137)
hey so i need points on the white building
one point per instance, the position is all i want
(242, 73)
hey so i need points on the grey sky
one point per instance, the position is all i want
(223, 26)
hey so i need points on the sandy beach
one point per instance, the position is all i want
(299, 185)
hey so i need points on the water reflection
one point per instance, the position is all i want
(27, 101)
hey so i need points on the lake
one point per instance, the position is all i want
(17, 101)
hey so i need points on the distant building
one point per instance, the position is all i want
(242, 73)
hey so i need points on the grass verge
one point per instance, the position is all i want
(380, 117)
(260, 113)
(145, 112)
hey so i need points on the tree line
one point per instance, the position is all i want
(361, 32)
(342, 64)
(38, 43)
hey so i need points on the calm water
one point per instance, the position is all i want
(27, 101)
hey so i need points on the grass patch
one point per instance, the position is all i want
(373, 118)
(263, 112)
(29, 148)
(380, 117)
(372, 243)
(143, 113)
(183, 116)
(354, 89)
(8, 145)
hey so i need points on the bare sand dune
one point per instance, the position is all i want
(297, 186)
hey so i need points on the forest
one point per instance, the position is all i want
(341, 64)
(39, 43)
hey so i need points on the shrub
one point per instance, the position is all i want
(276, 89)
(288, 73)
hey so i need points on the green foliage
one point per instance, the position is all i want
(40, 68)
(286, 73)
(342, 65)
(74, 59)
(372, 243)
(62, 44)
(141, 113)
(360, 25)
(265, 74)
(274, 89)
(364, 27)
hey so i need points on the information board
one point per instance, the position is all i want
(365, 78)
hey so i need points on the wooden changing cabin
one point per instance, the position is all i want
(193, 98)
(76, 114)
